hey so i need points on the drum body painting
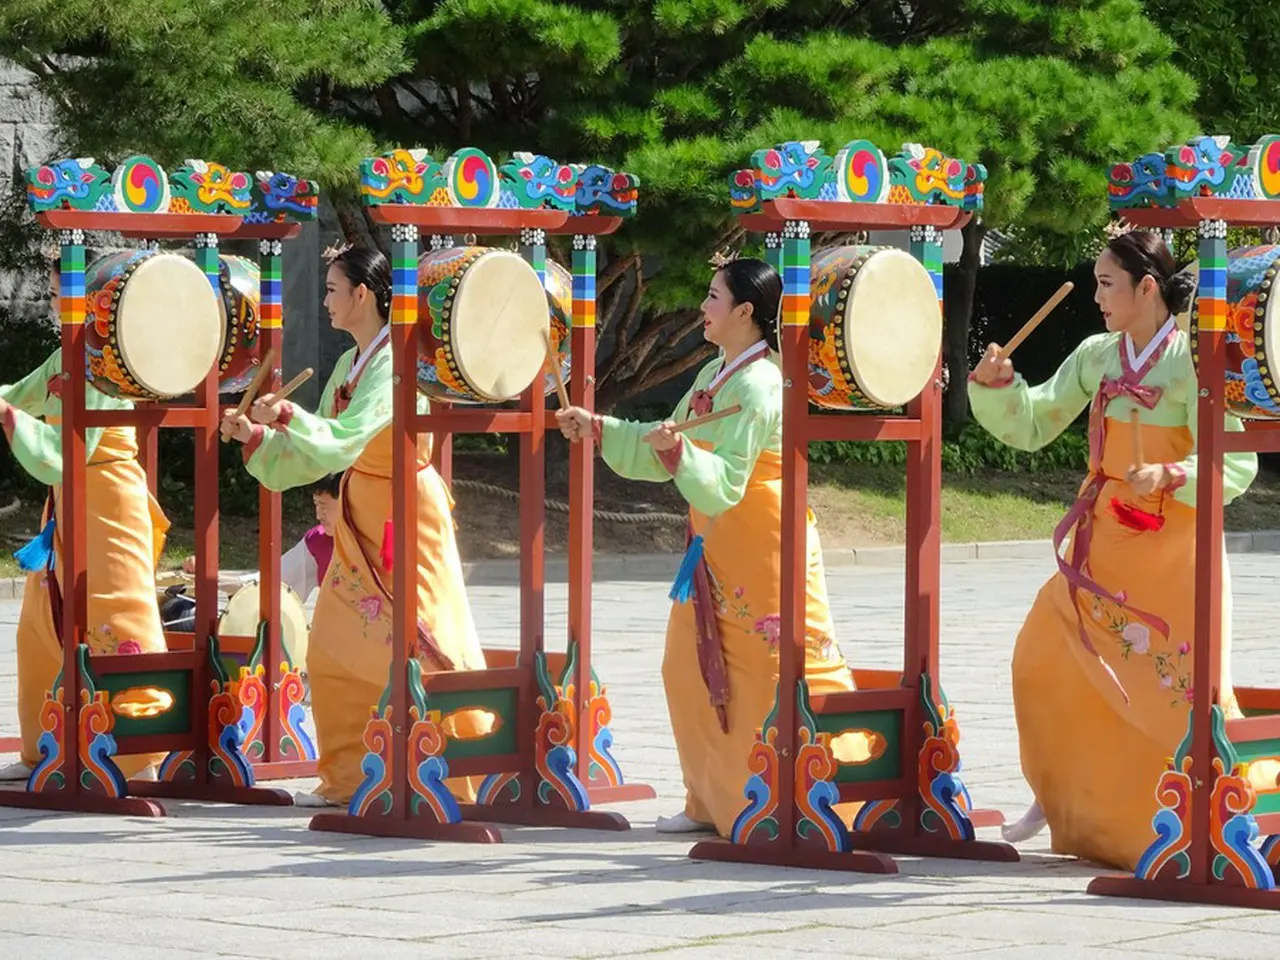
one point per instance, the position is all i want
(239, 304)
(560, 292)
(483, 321)
(152, 325)
(1253, 333)
(875, 328)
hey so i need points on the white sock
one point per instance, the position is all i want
(681, 823)
(1032, 823)
(15, 771)
(312, 800)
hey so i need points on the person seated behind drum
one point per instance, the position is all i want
(124, 536)
(349, 655)
(720, 668)
(302, 567)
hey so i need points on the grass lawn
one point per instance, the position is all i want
(857, 506)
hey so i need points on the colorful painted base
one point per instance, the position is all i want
(1238, 864)
(102, 787)
(542, 816)
(296, 746)
(945, 827)
(1182, 891)
(410, 829)
(127, 806)
(231, 777)
(729, 852)
(560, 799)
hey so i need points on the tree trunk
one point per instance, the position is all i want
(959, 304)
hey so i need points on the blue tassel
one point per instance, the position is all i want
(38, 554)
(682, 588)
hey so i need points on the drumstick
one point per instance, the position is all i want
(554, 360)
(707, 418)
(1034, 322)
(1138, 458)
(263, 371)
(295, 383)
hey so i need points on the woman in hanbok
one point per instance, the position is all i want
(124, 536)
(349, 657)
(1103, 665)
(720, 668)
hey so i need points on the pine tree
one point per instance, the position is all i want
(1227, 48)
(1046, 93)
(243, 82)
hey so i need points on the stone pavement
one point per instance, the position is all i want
(233, 882)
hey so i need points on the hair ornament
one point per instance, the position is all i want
(334, 251)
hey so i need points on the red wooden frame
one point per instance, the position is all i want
(530, 422)
(1213, 442)
(921, 429)
(274, 765)
(203, 416)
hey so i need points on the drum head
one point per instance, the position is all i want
(500, 322)
(169, 326)
(241, 617)
(893, 328)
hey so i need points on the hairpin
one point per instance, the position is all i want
(1118, 228)
(334, 251)
(719, 259)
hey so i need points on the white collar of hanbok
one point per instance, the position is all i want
(363, 358)
(1138, 360)
(747, 355)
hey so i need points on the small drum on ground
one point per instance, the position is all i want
(177, 610)
(875, 328)
(483, 320)
(242, 348)
(1253, 333)
(241, 618)
(152, 329)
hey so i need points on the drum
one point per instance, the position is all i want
(875, 328)
(1253, 333)
(483, 320)
(152, 330)
(177, 610)
(241, 618)
(242, 347)
(560, 293)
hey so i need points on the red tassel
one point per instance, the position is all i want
(388, 546)
(1135, 518)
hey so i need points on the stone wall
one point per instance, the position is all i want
(28, 134)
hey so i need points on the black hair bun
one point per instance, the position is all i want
(1179, 289)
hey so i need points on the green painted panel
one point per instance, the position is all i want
(175, 720)
(1257, 750)
(887, 723)
(501, 702)
(1252, 750)
(1259, 711)
(1267, 803)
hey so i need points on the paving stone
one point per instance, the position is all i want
(254, 882)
